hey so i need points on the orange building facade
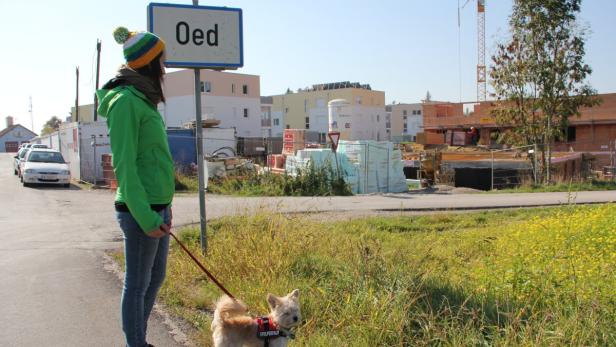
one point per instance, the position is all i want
(594, 130)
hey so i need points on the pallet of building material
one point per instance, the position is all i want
(293, 140)
(205, 123)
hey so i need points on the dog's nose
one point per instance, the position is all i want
(295, 318)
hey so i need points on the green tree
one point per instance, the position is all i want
(52, 125)
(539, 75)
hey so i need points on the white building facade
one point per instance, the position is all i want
(233, 99)
(406, 120)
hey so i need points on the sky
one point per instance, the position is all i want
(402, 47)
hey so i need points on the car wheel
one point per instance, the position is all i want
(15, 172)
(67, 185)
(26, 184)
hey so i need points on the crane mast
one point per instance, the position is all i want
(481, 50)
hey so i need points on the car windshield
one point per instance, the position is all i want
(22, 153)
(45, 157)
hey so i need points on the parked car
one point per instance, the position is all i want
(17, 160)
(45, 166)
(38, 145)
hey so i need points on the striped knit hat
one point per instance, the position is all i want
(140, 48)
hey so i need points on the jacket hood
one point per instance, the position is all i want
(140, 85)
(106, 98)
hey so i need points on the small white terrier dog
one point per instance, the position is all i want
(231, 326)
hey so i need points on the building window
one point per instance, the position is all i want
(419, 112)
(232, 88)
(206, 86)
(305, 105)
(245, 89)
(404, 113)
(571, 135)
(245, 113)
(378, 117)
(404, 117)
(276, 121)
(307, 122)
(288, 126)
(405, 128)
(286, 110)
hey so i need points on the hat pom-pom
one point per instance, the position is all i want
(121, 34)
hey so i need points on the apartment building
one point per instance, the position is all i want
(307, 109)
(232, 98)
(406, 120)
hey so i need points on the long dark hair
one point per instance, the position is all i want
(155, 72)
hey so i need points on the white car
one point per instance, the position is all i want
(38, 145)
(45, 166)
(17, 160)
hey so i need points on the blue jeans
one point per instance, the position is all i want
(146, 264)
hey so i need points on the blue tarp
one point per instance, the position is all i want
(182, 146)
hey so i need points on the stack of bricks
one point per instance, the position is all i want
(108, 174)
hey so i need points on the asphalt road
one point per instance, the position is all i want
(55, 291)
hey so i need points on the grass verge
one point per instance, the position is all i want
(311, 181)
(593, 185)
(515, 277)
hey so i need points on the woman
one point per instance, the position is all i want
(144, 169)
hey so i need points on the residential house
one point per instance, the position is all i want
(14, 135)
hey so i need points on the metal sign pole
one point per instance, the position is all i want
(199, 133)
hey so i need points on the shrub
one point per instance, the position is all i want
(311, 181)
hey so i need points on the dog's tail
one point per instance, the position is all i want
(227, 308)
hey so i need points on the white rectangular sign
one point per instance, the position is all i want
(199, 36)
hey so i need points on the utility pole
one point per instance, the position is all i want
(31, 114)
(98, 70)
(77, 95)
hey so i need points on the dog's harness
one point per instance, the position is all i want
(268, 329)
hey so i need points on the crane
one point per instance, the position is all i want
(481, 50)
(481, 46)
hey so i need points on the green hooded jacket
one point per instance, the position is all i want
(141, 159)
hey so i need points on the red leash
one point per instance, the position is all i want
(202, 267)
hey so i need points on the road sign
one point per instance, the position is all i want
(334, 137)
(199, 36)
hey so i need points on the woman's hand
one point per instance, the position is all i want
(162, 230)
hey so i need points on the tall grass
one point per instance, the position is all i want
(524, 277)
(311, 181)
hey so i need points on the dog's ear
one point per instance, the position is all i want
(273, 301)
(294, 294)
